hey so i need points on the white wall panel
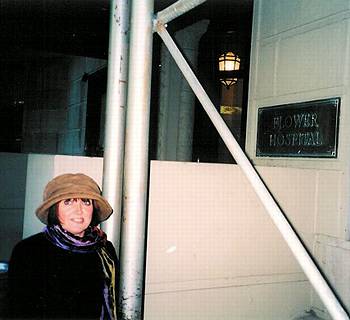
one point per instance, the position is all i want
(266, 76)
(329, 206)
(333, 255)
(212, 246)
(272, 301)
(296, 192)
(279, 16)
(307, 62)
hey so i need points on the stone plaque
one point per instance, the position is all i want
(307, 129)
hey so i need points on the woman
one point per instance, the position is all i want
(68, 271)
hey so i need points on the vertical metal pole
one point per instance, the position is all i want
(136, 162)
(115, 115)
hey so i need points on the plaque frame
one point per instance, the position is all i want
(299, 130)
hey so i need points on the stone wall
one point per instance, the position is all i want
(55, 104)
(300, 52)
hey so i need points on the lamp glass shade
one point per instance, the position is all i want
(229, 62)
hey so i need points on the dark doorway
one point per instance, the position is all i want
(231, 102)
(14, 87)
(95, 113)
(11, 116)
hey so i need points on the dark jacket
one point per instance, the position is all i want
(46, 281)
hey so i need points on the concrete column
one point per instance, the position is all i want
(163, 103)
(175, 122)
(188, 40)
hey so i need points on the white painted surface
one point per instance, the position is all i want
(213, 252)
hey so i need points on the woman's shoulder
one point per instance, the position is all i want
(27, 251)
(38, 237)
(111, 250)
(34, 241)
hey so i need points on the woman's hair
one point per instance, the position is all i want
(52, 218)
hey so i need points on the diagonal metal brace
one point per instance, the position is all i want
(175, 10)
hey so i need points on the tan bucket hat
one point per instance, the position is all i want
(71, 185)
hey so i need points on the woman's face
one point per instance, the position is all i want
(75, 215)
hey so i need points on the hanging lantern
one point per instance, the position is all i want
(228, 64)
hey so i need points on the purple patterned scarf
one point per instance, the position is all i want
(94, 240)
